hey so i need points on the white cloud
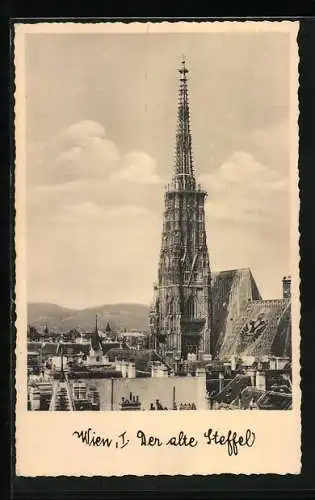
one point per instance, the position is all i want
(138, 167)
(79, 132)
(82, 168)
(90, 207)
(247, 213)
(244, 190)
(82, 151)
(89, 154)
(88, 213)
(240, 166)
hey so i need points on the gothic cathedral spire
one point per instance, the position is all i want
(181, 315)
(183, 177)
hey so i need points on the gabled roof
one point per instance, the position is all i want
(231, 290)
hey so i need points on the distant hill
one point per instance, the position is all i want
(129, 316)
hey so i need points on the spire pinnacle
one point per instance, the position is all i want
(183, 70)
(183, 177)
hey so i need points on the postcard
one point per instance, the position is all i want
(156, 240)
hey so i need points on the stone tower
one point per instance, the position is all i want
(180, 318)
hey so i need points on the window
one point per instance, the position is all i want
(170, 306)
(186, 276)
(190, 307)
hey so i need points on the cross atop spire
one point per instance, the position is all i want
(183, 178)
(183, 70)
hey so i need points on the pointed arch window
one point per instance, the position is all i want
(170, 306)
(169, 204)
(190, 307)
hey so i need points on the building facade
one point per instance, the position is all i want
(181, 315)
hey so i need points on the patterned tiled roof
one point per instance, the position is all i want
(262, 329)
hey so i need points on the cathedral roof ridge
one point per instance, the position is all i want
(231, 270)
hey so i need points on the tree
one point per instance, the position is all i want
(73, 334)
(33, 334)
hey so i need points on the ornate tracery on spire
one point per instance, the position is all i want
(183, 177)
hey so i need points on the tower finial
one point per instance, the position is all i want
(183, 70)
(96, 326)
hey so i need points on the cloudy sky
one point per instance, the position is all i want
(100, 127)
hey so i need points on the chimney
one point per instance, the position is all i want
(233, 363)
(261, 380)
(221, 379)
(286, 287)
(131, 370)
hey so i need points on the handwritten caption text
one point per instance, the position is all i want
(231, 440)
